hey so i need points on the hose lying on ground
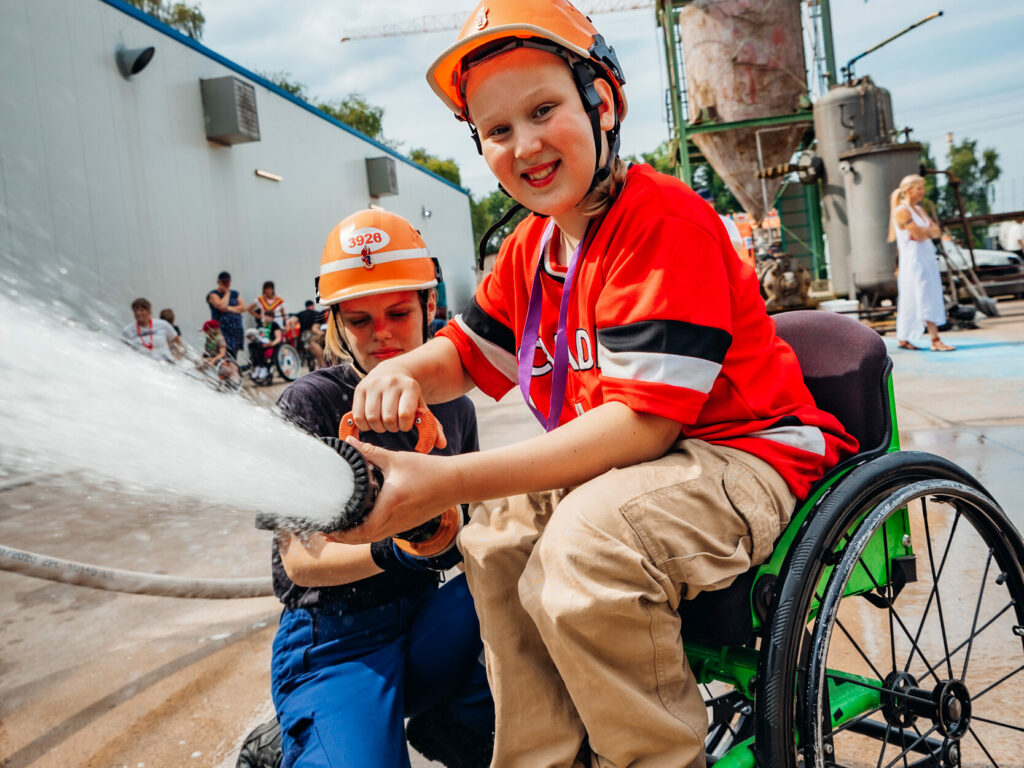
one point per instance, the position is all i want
(130, 582)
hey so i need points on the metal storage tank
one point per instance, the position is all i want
(744, 59)
(850, 115)
(870, 174)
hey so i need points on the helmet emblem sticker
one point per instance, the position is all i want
(364, 241)
(481, 17)
(367, 259)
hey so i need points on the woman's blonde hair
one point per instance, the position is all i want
(603, 195)
(898, 197)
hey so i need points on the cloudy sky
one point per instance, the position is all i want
(961, 73)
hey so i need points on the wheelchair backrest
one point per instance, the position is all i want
(846, 368)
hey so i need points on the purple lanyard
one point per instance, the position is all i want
(531, 332)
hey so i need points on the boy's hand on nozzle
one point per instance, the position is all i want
(387, 401)
(414, 491)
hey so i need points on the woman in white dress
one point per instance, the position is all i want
(920, 304)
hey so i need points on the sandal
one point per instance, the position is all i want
(908, 345)
(941, 346)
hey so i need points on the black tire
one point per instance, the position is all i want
(262, 747)
(786, 644)
(287, 361)
(945, 662)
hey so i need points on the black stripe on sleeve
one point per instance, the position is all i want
(667, 337)
(488, 328)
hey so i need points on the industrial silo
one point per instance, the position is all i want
(849, 116)
(870, 174)
(744, 59)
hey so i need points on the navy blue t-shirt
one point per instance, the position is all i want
(315, 403)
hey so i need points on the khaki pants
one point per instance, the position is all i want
(577, 595)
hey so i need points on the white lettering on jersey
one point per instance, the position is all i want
(584, 350)
(546, 368)
(582, 361)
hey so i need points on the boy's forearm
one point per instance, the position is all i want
(437, 368)
(611, 435)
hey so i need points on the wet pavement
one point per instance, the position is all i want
(94, 679)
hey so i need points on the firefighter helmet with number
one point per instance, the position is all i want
(374, 251)
(496, 25)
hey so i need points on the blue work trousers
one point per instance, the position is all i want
(343, 683)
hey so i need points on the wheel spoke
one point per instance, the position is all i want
(1000, 681)
(906, 630)
(935, 581)
(854, 721)
(857, 647)
(885, 743)
(903, 755)
(880, 689)
(977, 610)
(996, 722)
(934, 591)
(983, 748)
(888, 587)
(984, 626)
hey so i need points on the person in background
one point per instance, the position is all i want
(1015, 237)
(270, 302)
(440, 321)
(269, 336)
(168, 316)
(227, 307)
(311, 332)
(919, 302)
(156, 338)
(368, 636)
(215, 354)
(730, 226)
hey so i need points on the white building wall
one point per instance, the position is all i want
(109, 188)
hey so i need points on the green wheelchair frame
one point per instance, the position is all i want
(852, 537)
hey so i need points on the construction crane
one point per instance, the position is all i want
(448, 21)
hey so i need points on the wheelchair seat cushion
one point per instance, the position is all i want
(845, 366)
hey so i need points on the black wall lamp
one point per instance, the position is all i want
(131, 61)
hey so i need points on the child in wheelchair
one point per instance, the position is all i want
(216, 358)
(264, 341)
(679, 432)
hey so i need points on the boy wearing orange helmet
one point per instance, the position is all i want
(679, 429)
(367, 638)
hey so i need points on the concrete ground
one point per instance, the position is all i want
(93, 679)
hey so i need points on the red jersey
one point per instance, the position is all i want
(664, 318)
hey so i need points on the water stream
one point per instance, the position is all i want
(75, 400)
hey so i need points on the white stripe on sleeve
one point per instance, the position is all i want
(657, 368)
(808, 439)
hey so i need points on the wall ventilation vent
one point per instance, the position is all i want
(229, 105)
(381, 176)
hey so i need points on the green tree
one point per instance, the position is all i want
(356, 111)
(353, 110)
(283, 81)
(704, 176)
(446, 169)
(187, 19)
(486, 211)
(976, 177)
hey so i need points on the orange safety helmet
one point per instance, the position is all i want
(374, 251)
(557, 21)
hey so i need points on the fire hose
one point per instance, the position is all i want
(129, 582)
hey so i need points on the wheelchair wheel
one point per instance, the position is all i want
(287, 362)
(936, 663)
(730, 720)
(840, 678)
